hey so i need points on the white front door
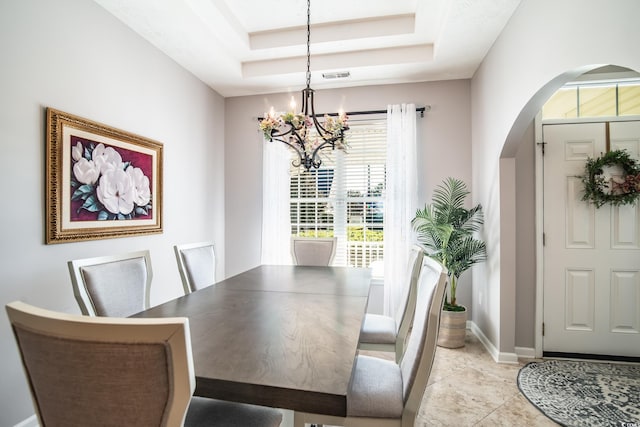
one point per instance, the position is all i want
(591, 291)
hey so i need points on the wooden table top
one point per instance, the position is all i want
(281, 336)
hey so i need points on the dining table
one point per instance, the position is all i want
(283, 336)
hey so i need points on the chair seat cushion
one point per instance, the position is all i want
(375, 389)
(378, 329)
(205, 412)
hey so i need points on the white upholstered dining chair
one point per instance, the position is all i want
(386, 333)
(314, 251)
(197, 265)
(119, 372)
(383, 393)
(112, 285)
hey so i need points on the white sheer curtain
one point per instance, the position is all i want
(276, 222)
(401, 199)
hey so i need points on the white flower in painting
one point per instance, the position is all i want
(106, 158)
(76, 152)
(116, 191)
(86, 171)
(141, 184)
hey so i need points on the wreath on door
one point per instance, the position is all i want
(618, 189)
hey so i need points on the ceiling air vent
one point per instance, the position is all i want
(336, 75)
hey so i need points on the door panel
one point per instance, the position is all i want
(625, 227)
(580, 217)
(579, 300)
(625, 301)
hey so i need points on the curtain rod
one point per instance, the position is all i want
(420, 110)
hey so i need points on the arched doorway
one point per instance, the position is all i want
(588, 284)
(526, 291)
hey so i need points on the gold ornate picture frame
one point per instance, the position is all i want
(101, 182)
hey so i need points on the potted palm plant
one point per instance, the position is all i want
(445, 229)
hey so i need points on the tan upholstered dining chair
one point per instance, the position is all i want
(197, 265)
(118, 371)
(113, 285)
(383, 393)
(386, 333)
(314, 251)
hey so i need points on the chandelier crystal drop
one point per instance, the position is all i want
(295, 129)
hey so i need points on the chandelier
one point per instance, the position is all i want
(295, 129)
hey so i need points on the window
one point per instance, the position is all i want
(597, 101)
(603, 99)
(562, 105)
(345, 197)
(629, 99)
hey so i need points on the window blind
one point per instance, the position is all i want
(345, 196)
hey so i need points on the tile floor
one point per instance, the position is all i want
(468, 388)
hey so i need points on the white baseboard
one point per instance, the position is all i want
(32, 421)
(526, 352)
(500, 357)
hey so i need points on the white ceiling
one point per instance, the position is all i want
(248, 47)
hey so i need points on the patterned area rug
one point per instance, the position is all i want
(581, 393)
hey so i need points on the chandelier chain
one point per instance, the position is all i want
(295, 129)
(308, 44)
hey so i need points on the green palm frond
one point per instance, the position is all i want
(465, 253)
(445, 229)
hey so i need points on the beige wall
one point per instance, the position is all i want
(74, 56)
(525, 241)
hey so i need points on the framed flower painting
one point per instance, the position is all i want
(101, 183)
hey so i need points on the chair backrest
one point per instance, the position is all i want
(115, 370)
(197, 265)
(114, 285)
(421, 347)
(406, 310)
(318, 251)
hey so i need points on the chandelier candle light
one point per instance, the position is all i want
(294, 129)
